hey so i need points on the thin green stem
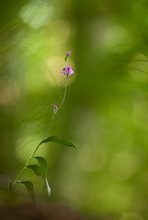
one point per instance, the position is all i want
(51, 122)
(65, 91)
(61, 104)
(13, 183)
(34, 152)
(25, 166)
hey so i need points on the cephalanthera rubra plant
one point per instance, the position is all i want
(41, 168)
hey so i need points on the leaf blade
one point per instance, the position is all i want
(36, 169)
(30, 188)
(43, 164)
(58, 140)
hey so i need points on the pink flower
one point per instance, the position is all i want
(67, 71)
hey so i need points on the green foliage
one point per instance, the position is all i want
(30, 188)
(43, 164)
(58, 140)
(36, 169)
(41, 170)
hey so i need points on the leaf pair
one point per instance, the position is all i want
(41, 170)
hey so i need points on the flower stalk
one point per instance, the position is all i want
(67, 71)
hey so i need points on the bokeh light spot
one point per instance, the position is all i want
(36, 13)
(123, 165)
(27, 143)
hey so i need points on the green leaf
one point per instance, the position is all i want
(58, 140)
(30, 188)
(43, 164)
(44, 167)
(36, 169)
(47, 187)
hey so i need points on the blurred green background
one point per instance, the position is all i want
(106, 109)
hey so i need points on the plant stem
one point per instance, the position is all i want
(34, 152)
(61, 104)
(65, 90)
(25, 166)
